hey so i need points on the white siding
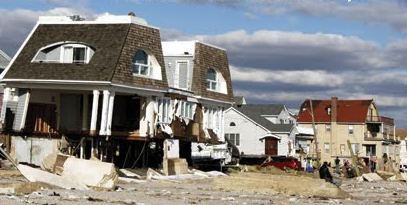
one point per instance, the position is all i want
(249, 132)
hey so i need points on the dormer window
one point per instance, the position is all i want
(141, 63)
(65, 52)
(212, 80)
(215, 81)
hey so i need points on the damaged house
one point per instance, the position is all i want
(103, 89)
(336, 121)
(261, 130)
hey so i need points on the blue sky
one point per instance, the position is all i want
(280, 51)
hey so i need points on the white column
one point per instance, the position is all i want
(81, 148)
(110, 114)
(6, 97)
(105, 107)
(94, 117)
(26, 102)
(85, 103)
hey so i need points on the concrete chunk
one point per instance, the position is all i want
(371, 177)
(89, 172)
(36, 175)
(130, 174)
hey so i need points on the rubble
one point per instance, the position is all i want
(129, 174)
(370, 177)
(36, 175)
(91, 173)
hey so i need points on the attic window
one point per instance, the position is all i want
(72, 52)
(232, 124)
(212, 80)
(141, 64)
(144, 64)
(215, 81)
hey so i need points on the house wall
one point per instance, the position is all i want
(337, 140)
(32, 150)
(283, 144)
(171, 68)
(250, 133)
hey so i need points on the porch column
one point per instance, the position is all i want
(110, 114)
(85, 103)
(6, 97)
(24, 99)
(94, 117)
(105, 108)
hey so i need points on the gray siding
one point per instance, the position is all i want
(22, 96)
(171, 66)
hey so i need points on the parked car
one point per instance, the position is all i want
(403, 167)
(283, 163)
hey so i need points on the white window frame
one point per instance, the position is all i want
(235, 140)
(139, 65)
(210, 82)
(351, 129)
(177, 76)
(186, 109)
(63, 47)
(327, 127)
(164, 107)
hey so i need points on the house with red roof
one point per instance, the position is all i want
(337, 121)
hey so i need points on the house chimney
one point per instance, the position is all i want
(334, 108)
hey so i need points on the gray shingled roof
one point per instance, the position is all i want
(255, 113)
(107, 39)
(4, 60)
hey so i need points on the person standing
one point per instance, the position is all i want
(337, 166)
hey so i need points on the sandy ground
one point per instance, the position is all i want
(238, 188)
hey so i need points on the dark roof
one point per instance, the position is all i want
(255, 112)
(114, 44)
(107, 39)
(350, 111)
(207, 57)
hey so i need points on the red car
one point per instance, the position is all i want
(283, 163)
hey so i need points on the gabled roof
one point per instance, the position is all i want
(4, 60)
(257, 112)
(348, 111)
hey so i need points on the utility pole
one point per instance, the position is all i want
(315, 131)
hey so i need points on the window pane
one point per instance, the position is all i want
(211, 74)
(79, 55)
(136, 69)
(183, 74)
(237, 139)
(144, 70)
(141, 57)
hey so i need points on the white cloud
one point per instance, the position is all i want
(16, 24)
(296, 77)
(279, 50)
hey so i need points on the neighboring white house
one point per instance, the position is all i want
(261, 130)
